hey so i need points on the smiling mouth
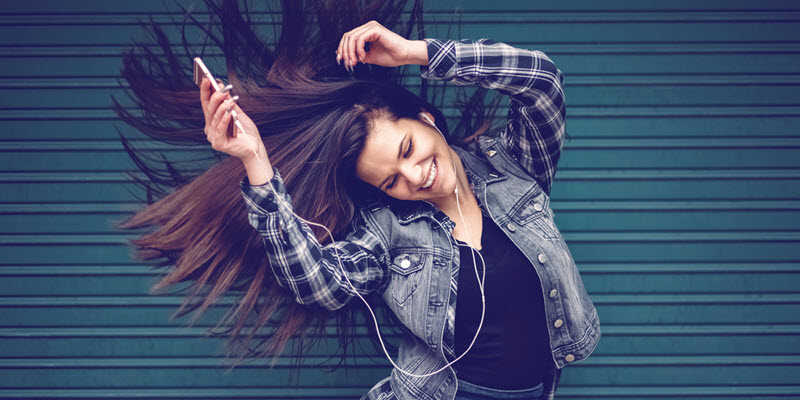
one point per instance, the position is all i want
(431, 175)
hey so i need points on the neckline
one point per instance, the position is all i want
(483, 230)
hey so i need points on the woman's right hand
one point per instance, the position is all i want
(219, 123)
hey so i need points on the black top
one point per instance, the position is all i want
(513, 347)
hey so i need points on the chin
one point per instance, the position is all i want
(445, 191)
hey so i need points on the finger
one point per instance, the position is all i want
(226, 128)
(370, 34)
(340, 50)
(350, 46)
(205, 93)
(339, 53)
(221, 110)
(361, 43)
(220, 130)
(213, 104)
(345, 53)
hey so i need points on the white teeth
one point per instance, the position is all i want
(431, 177)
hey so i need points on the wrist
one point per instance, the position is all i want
(258, 167)
(417, 52)
(254, 157)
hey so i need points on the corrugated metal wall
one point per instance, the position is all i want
(679, 196)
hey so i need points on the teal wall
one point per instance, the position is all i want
(679, 195)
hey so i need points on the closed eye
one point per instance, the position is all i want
(410, 148)
(406, 155)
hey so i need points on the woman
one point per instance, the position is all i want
(432, 227)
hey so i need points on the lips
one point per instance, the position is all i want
(433, 174)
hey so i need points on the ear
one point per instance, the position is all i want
(430, 120)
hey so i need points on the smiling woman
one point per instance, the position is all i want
(423, 155)
(349, 149)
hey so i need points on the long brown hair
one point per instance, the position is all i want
(313, 118)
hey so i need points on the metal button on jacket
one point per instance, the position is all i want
(405, 264)
(542, 258)
(569, 358)
(537, 207)
(553, 293)
(558, 323)
(511, 227)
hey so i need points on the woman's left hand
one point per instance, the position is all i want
(386, 48)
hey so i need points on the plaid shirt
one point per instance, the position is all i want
(533, 136)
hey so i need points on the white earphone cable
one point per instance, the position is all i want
(374, 318)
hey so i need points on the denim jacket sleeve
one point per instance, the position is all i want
(535, 130)
(312, 271)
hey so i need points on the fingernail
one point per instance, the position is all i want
(235, 98)
(226, 89)
(338, 59)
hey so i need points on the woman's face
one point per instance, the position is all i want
(408, 160)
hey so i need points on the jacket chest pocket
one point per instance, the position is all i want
(406, 270)
(533, 211)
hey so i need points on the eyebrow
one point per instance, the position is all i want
(399, 154)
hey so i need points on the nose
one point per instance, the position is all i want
(414, 174)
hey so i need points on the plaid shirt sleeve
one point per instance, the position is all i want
(312, 272)
(535, 131)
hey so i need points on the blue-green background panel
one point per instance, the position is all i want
(678, 192)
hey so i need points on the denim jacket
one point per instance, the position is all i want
(405, 249)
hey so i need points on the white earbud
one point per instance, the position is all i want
(425, 116)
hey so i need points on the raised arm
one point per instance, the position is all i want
(535, 130)
(311, 271)
(534, 133)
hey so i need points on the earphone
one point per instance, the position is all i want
(477, 275)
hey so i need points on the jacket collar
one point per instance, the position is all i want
(478, 159)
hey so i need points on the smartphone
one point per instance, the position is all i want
(200, 71)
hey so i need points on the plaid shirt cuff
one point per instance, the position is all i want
(262, 199)
(441, 60)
